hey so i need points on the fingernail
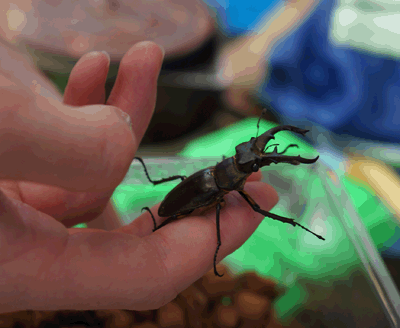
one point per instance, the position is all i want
(162, 49)
(124, 117)
(145, 44)
(108, 56)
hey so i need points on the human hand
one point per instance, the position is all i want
(242, 67)
(62, 163)
(53, 153)
(243, 62)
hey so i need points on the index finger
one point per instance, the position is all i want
(135, 78)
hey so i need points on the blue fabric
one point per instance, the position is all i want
(312, 79)
(344, 90)
(236, 17)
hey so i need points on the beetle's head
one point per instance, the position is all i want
(251, 155)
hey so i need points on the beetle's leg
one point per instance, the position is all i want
(152, 216)
(175, 177)
(218, 242)
(170, 219)
(257, 208)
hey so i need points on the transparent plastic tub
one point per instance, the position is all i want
(339, 282)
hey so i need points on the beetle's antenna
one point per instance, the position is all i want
(258, 123)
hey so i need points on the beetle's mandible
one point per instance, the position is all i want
(208, 186)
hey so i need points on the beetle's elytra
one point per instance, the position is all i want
(208, 186)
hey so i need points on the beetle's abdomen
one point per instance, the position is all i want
(198, 190)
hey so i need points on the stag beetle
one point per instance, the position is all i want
(207, 187)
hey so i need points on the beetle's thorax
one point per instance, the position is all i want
(228, 176)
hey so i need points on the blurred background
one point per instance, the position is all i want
(330, 66)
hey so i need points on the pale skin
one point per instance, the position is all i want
(60, 161)
(243, 64)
